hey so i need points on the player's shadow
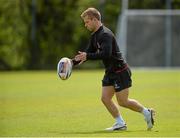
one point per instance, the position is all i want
(103, 132)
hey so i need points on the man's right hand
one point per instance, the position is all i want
(82, 56)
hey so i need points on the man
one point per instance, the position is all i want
(117, 78)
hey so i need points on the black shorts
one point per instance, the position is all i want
(120, 81)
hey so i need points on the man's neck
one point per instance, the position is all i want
(99, 24)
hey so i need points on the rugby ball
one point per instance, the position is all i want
(64, 68)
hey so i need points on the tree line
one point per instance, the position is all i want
(35, 34)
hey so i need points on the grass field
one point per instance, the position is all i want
(40, 104)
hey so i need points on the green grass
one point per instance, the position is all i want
(40, 104)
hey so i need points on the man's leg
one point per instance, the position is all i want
(106, 98)
(123, 100)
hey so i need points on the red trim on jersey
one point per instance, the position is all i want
(120, 70)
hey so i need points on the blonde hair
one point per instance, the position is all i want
(91, 13)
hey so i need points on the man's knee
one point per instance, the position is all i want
(122, 98)
(123, 103)
(105, 99)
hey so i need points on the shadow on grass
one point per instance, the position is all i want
(103, 132)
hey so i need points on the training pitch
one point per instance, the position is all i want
(40, 104)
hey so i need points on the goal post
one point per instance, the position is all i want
(132, 23)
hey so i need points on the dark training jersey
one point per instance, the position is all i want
(103, 46)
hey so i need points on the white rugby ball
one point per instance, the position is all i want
(64, 68)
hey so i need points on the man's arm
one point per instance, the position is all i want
(106, 45)
(90, 47)
(81, 57)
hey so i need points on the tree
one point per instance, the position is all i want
(13, 46)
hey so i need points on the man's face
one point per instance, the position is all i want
(89, 23)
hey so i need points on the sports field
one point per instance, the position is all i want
(40, 104)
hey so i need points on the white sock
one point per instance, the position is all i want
(145, 111)
(120, 120)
